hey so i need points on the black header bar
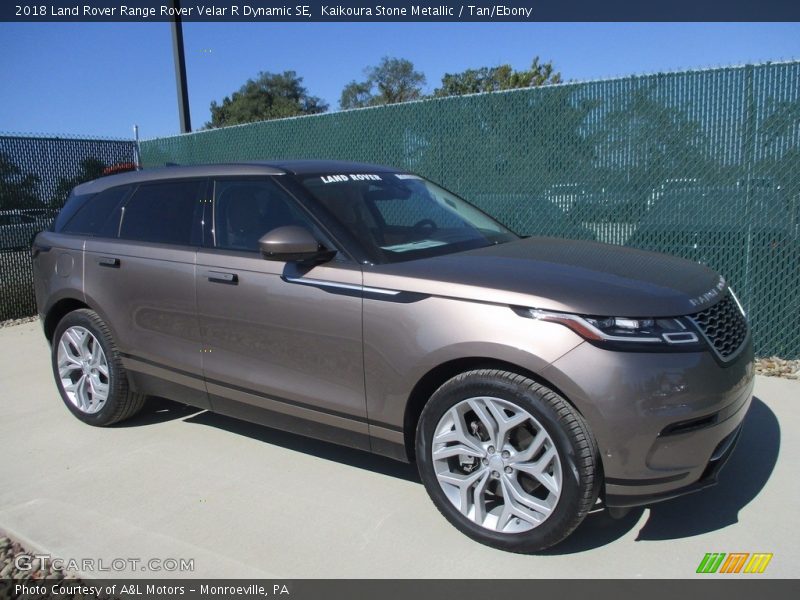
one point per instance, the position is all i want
(265, 11)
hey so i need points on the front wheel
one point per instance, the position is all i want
(506, 460)
(89, 371)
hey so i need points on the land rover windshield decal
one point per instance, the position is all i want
(342, 177)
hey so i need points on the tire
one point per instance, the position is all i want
(92, 384)
(547, 462)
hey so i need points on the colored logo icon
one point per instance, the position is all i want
(734, 562)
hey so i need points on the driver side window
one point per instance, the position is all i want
(244, 210)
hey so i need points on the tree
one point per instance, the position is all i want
(356, 95)
(88, 169)
(268, 96)
(392, 81)
(16, 190)
(494, 79)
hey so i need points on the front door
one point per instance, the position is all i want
(282, 342)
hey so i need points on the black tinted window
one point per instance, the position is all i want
(162, 213)
(73, 204)
(98, 215)
(244, 210)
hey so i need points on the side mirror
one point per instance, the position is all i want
(293, 244)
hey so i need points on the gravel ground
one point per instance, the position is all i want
(12, 322)
(10, 576)
(37, 576)
(9, 550)
(778, 367)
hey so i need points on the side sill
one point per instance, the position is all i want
(292, 424)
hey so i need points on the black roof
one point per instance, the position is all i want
(280, 167)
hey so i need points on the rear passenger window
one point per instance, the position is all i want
(98, 216)
(161, 213)
(73, 204)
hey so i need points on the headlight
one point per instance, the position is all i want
(625, 333)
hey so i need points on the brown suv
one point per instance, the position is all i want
(367, 306)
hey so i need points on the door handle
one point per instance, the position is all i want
(107, 261)
(222, 277)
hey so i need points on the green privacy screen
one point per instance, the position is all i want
(702, 164)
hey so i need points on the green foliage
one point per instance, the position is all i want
(392, 81)
(268, 96)
(17, 190)
(494, 79)
(89, 168)
(356, 95)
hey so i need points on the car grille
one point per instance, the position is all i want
(724, 326)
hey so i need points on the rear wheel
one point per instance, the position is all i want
(89, 372)
(506, 460)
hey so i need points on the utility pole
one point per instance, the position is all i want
(180, 69)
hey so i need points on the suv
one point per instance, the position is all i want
(367, 306)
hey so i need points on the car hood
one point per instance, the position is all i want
(565, 275)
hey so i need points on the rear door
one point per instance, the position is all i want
(282, 342)
(140, 274)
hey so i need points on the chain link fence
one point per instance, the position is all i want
(36, 175)
(701, 164)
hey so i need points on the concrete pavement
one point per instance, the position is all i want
(248, 501)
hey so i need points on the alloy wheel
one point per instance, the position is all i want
(83, 369)
(497, 464)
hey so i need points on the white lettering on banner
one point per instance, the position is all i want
(351, 177)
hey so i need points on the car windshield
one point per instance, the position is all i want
(399, 217)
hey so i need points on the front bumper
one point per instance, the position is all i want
(707, 479)
(665, 423)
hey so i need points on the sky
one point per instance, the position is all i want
(99, 79)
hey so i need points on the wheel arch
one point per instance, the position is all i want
(57, 312)
(437, 376)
